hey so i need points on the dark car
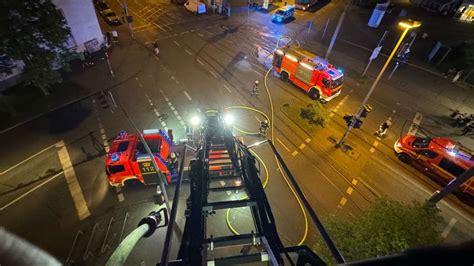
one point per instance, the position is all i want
(101, 6)
(110, 17)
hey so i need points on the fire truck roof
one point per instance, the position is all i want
(312, 60)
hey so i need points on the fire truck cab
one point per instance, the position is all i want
(128, 159)
(440, 158)
(314, 75)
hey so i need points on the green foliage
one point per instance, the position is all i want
(315, 113)
(387, 227)
(36, 33)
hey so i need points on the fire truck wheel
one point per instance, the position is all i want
(314, 94)
(404, 157)
(284, 76)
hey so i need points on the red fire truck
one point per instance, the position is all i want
(440, 158)
(128, 159)
(319, 79)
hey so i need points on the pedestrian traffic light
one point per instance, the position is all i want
(348, 119)
(366, 110)
(357, 123)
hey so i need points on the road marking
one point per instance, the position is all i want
(448, 228)
(175, 42)
(258, 119)
(119, 194)
(307, 140)
(187, 96)
(343, 201)
(331, 114)
(188, 52)
(227, 88)
(258, 73)
(30, 191)
(354, 182)
(375, 144)
(284, 146)
(27, 159)
(294, 153)
(349, 190)
(416, 122)
(72, 183)
(200, 35)
(213, 74)
(302, 146)
(200, 62)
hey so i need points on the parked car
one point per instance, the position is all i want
(110, 17)
(283, 14)
(100, 6)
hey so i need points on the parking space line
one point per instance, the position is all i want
(282, 144)
(175, 42)
(213, 74)
(227, 88)
(72, 182)
(449, 227)
(188, 52)
(30, 191)
(200, 62)
(187, 96)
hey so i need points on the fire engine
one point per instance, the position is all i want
(314, 75)
(128, 159)
(440, 158)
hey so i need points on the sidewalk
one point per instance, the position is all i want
(127, 57)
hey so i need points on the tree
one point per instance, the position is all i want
(387, 227)
(36, 33)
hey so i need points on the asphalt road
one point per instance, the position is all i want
(204, 62)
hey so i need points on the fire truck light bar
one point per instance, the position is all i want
(150, 131)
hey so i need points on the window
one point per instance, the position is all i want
(326, 83)
(277, 60)
(451, 167)
(421, 143)
(337, 82)
(154, 144)
(113, 169)
(427, 153)
(122, 146)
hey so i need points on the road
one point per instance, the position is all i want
(53, 182)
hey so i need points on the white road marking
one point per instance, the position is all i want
(302, 146)
(27, 159)
(349, 190)
(72, 183)
(258, 73)
(188, 52)
(307, 140)
(227, 88)
(294, 153)
(416, 122)
(282, 144)
(213, 74)
(187, 96)
(331, 114)
(177, 43)
(119, 194)
(30, 191)
(258, 119)
(448, 228)
(343, 201)
(200, 35)
(200, 62)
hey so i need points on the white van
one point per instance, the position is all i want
(195, 7)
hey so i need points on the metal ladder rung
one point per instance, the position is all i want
(219, 205)
(234, 240)
(217, 189)
(240, 259)
(220, 162)
(224, 177)
(219, 156)
(218, 168)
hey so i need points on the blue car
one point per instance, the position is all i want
(283, 14)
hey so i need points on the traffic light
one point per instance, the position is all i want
(367, 109)
(348, 119)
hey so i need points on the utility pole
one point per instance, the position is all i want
(336, 32)
(455, 183)
(407, 25)
(375, 52)
(128, 19)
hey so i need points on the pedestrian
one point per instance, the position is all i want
(384, 127)
(155, 45)
(263, 128)
(255, 89)
(468, 128)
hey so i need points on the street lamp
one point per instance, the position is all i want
(406, 25)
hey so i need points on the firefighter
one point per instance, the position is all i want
(263, 128)
(468, 129)
(155, 46)
(255, 89)
(384, 127)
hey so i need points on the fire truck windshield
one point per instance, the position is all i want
(337, 82)
(421, 142)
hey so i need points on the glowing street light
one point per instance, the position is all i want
(229, 119)
(195, 121)
(406, 25)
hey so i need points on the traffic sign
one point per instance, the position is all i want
(375, 52)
